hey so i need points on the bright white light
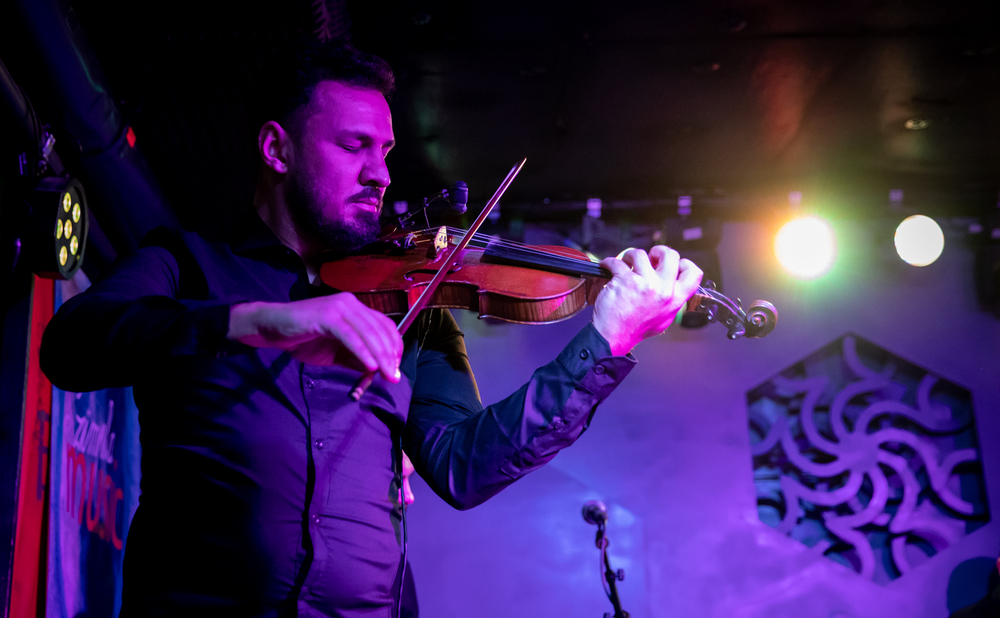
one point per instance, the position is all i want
(805, 247)
(919, 240)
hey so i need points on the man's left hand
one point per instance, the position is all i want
(644, 295)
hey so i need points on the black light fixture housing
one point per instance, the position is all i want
(58, 222)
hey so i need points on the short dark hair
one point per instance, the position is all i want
(289, 79)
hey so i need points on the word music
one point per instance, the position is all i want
(92, 496)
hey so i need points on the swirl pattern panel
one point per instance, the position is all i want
(867, 457)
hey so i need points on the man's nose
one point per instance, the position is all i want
(375, 172)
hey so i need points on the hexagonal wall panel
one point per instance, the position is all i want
(868, 456)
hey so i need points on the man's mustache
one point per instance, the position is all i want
(367, 193)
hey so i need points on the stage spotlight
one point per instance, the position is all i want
(805, 247)
(58, 218)
(919, 240)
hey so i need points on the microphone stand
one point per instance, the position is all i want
(610, 575)
(404, 220)
(456, 196)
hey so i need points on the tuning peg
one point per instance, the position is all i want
(736, 330)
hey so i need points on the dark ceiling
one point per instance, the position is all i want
(636, 102)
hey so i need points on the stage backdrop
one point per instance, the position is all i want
(679, 454)
(94, 488)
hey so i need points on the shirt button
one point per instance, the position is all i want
(599, 369)
(319, 444)
(557, 423)
(310, 384)
(221, 354)
(316, 519)
(584, 354)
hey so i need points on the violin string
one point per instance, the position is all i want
(482, 241)
(459, 233)
(571, 263)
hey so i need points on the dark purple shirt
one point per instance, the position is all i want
(265, 489)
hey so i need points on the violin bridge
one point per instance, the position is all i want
(440, 243)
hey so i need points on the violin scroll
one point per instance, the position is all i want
(763, 316)
(753, 324)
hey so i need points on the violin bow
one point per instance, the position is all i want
(365, 381)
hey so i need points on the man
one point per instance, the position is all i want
(266, 490)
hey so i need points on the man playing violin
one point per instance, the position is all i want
(266, 489)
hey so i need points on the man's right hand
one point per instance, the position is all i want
(328, 330)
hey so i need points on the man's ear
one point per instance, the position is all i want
(275, 146)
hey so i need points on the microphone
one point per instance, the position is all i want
(594, 512)
(457, 196)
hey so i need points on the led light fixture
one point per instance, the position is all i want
(59, 227)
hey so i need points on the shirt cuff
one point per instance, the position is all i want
(589, 360)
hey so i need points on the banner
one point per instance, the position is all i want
(94, 485)
(32, 498)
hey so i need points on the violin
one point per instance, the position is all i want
(506, 280)
(499, 279)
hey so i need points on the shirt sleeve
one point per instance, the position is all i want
(468, 453)
(120, 327)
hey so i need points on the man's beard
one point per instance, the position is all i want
(341, 236)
